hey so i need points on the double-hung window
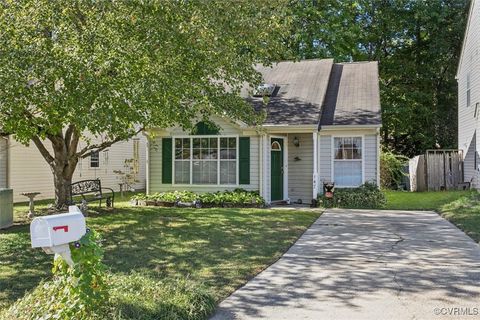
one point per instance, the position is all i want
(347, 161)
(95, 159)
(206, 160)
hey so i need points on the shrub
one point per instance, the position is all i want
(78, 292)
(237, 197)
(139, 196)
(367, 196)
(391, 170)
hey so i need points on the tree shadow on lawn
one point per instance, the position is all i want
(219, 247)
(21, 267)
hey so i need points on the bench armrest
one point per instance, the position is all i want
(109, 189)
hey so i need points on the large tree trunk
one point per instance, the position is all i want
(65, 157)
(62, 181)
(63, 168)
(62, 162)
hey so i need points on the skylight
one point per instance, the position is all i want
(264, 90)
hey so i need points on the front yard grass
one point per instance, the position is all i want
(404, 200)
(462, 208)
(219, 248)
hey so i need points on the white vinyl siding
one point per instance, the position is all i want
(325, 156)
(30, 172)
(469, 97)
(300, 168)
(468, 76)
(370, 157)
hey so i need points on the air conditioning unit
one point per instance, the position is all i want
(6, 208)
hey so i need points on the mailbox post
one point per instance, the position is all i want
(54, 233)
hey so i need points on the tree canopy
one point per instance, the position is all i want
(69, 70)
(417, 44)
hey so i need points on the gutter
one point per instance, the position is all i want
(348, 126)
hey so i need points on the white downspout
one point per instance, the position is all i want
(260, 165)
(265, 169)
(147, 164)
(315, 166)
(379, 150)
(7, 161)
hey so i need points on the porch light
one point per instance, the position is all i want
(296, 142)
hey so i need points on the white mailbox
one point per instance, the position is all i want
(53, 233)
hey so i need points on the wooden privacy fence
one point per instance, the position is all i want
(437, 170)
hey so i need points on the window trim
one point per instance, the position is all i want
(332, 164)
(90, 161)
(218, 184)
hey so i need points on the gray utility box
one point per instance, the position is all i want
(6, 208)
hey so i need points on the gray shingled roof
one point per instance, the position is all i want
(321, 92)
(301, 87)
(353, 95)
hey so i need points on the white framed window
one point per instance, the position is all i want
(95, 159)
(348, 161)
(469, 98)
(206, 160)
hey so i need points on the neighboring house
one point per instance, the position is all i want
(25, 170)
(322, 125)
(468, 77)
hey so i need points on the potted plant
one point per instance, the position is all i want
(187, 199)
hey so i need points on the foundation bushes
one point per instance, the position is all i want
(236, 198)
(367, 196)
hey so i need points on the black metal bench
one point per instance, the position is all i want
(93, 188)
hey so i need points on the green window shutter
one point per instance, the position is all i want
(244, 160)
(167, 160)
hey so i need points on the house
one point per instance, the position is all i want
(23, 168)
(322, 125)
(468, 77)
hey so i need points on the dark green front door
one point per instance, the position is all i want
(276, 169)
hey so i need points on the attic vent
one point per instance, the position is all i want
(265, 89)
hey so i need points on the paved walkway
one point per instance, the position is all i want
(361, 264)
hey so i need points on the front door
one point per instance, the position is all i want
(276, 179)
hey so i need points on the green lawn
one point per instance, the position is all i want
(465, 213)
(403, 200)
(462, 208)
(221, 248)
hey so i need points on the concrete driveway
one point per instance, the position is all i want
(367, 264)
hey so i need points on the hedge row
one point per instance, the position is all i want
(236, 198)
